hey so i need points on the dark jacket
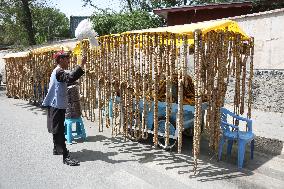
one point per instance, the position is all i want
(57, 92)
(56, 98)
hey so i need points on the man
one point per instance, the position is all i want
(56, 101)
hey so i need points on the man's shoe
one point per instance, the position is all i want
(71, 162)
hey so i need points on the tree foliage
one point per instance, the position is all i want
(265, 5)
(50, 24)
(258, 5)
(135, 15)
(149, 5)
(46, 23)
(107, 22)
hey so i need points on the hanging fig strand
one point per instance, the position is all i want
(141, 83)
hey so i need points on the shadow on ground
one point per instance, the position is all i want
(2, 87)
(30, 106)
(2, 90)
(34, 108)
(90, 155)
(208, 167)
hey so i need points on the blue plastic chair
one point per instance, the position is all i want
(233, 133)
(79, 132)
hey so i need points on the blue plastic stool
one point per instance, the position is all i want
(80, 130)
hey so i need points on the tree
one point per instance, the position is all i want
(11, 25)
(19, 10)
(46, 23)
(265, 5)
(129, 5)
(50, 24)
(145, 5)
(27, 21)
(149, 5)
(107, 22)
(136, 13)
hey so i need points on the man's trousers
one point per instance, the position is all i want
(55, 125)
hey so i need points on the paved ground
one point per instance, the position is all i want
(27, 161)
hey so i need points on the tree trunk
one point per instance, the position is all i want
(27, 20)
(129, 5)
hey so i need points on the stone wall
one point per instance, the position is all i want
(267, 90)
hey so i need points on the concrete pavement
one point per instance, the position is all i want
(27, 161)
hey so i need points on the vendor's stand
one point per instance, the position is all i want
(136, 66)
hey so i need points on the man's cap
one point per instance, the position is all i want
(60, 54)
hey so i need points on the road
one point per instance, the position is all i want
(110, 162)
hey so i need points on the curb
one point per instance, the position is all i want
(269, 145)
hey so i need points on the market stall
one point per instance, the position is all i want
(136, 65)
(151, 80)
